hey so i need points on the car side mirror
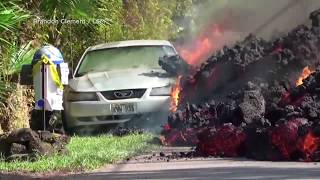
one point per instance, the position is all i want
(26, 75)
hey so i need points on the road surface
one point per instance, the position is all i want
(156, 167)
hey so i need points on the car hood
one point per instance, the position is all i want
(120, 79)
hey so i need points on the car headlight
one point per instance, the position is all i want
(161, 91)
(82, 96)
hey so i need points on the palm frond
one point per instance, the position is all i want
(10, 17)
(19, 57)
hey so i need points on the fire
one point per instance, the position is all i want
(202, 46)
(305, 73)
(175, 95)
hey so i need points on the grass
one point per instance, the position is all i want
(86, 153)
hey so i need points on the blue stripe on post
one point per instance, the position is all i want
(40, 103)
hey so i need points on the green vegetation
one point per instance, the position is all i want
(12, 56)
(21, 34)
(86, 153)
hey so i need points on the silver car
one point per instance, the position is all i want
(117, 81)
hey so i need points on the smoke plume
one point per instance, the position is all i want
(222, 22)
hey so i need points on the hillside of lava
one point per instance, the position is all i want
(257, 99)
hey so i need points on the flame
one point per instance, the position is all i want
(175, 95)
(202, 46)
(310, 145)
(305, 73)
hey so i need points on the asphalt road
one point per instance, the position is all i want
(206, 169)
(156, 167)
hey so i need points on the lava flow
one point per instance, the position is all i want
(251, 109)
(305, 74)
(310, 145)
(175, 95)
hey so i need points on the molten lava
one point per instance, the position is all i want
(227, 108)
(175, 95)
(226, 140)
(310, 145)
(284, 137)
(186, 137)
(305, 73)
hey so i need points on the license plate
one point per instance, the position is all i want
(124, 108)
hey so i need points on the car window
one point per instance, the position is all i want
(123, 58)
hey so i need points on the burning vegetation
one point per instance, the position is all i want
(251, 99)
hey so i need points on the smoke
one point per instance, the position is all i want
(269, 18)
(235, 20)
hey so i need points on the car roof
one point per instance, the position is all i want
(130, 43)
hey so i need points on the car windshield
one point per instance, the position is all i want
(123, 58)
